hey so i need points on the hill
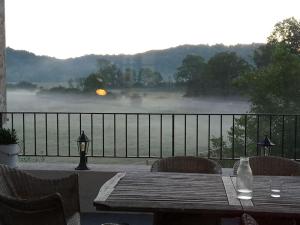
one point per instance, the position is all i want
(26, 66)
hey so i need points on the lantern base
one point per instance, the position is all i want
(82, 167)
(82, 163)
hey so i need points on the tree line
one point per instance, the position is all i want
(109, 75)
(197, 77)
(217, 76)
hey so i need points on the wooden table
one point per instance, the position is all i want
(196, 194)
(178, 197)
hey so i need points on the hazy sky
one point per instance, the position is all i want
(70, 28)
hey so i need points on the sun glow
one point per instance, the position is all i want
(101, 92)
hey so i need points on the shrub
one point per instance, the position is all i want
(8, 136)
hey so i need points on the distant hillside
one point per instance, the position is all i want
(26, 66)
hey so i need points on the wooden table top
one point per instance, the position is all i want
(167, 192)
(195, 193)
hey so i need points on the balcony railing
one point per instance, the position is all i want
(153, 135)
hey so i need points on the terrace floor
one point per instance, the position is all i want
(90, 182)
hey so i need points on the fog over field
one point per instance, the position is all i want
(109, 137)
(149, 102)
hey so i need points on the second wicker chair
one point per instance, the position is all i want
(186, 164)
(271, 166)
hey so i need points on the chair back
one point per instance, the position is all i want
(186, 164)
(271, 166)
(22, 185)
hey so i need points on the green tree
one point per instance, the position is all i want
(223, 69)
(192, 68)
(149, 78)
(92, 83)
(287, 32)
(129, 77)
(275, 88)
(191, 74)
(262, 56)
(71, 83)
(109, 73)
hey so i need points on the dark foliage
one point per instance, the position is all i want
(8, 136)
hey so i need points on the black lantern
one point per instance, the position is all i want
(266, 146)
(83, 146)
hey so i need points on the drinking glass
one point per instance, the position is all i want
(275, 188)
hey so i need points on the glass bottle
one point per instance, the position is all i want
(244, 179)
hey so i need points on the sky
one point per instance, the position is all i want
(72, 28)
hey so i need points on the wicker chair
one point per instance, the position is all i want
(246, 219)
(186, 164)
(27, 200)
(45, 210)
(271, 166)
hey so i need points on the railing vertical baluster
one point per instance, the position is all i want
(270, 127)
(221, 137)
(197, 134)
(12, 121)
(57, 135)
(92, 135)
(115, 148)
(208, 141)
(137, 135)
(34, 127)
(295, 141)
(79, 123)
(184, 134)
(103, 145)
(257, 135)
(173, 134)
(233, 133)
(69, 135)
(149, 138)
(160, 136)
(126, 136)
(282, 137)
(23, 126)
(46, 132)
(245, 140)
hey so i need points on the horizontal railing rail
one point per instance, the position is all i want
(154, 135)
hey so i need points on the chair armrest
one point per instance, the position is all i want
(14, 211)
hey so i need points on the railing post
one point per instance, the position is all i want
(1, 120)
(173, 135)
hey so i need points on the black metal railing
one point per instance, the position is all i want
(153, 135)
